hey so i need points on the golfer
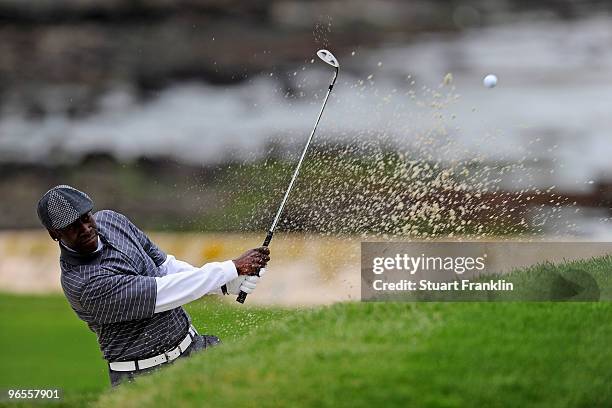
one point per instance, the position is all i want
(128, 291)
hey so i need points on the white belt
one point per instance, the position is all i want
(157, 360)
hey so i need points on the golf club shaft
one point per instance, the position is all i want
(242, 296)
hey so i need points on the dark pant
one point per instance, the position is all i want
(200, 342)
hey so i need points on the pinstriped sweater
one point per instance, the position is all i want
(114, 292)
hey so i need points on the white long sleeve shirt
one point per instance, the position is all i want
(184, 283)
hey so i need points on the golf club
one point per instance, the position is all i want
(328, 58)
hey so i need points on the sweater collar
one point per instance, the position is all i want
(75, 258)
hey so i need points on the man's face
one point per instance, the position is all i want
(81, 235)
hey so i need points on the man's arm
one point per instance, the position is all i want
(157, 255)
(172, 265)
(190, 283)
(111, 298)
(184, 283)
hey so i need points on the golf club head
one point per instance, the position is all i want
(328, 58)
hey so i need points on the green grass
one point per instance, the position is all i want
(401, 354)
(44, 344)
(498, 354)
(409, 354)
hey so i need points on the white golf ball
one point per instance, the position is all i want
(490, 81)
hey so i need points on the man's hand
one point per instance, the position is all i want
(244, 283)
(252, 261)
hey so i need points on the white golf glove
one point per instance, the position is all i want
(245, 283)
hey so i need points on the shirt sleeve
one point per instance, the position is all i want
(185, 283)
(172, 265)
(110, 297)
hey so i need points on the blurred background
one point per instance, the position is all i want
(188, 117)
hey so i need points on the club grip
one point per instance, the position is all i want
(242, 295)
(268, 239)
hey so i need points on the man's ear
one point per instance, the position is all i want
(54, 235)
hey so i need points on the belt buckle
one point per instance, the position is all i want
(166, 353)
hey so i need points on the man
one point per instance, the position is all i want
(128, 291)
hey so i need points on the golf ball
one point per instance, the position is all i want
(490, 81)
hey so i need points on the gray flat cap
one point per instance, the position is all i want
(63, 205)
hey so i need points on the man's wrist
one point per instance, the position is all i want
(229, 270)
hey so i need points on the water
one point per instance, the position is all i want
(554, 83)
(547, 121)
